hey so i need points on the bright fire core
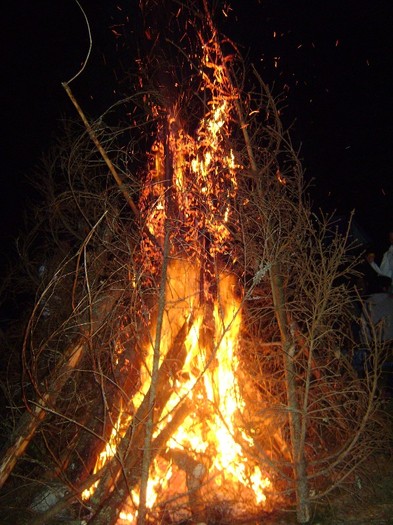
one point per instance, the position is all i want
(203, 457)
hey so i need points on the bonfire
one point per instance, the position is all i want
(203, 308)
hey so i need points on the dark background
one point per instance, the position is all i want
(332, 59)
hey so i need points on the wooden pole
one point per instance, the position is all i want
(295, 416)
(149, 426)
(94, 138)
(108, 162)
(31, 419)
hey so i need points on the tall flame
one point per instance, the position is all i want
(190, 188)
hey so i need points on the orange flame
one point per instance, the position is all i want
(210, 434)
(196, 195)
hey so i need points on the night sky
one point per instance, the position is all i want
(332, 59)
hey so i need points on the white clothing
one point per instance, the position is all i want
(387, 262)
(376, 268)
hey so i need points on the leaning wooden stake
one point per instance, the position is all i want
(108, 162)
(108, 513)
(123, 472)
(94, 138)
(31, 419)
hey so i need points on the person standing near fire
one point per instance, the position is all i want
(387, 260)
(372, 279)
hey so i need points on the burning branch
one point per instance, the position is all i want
(126, 473)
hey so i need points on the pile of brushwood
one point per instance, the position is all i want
(82, 295)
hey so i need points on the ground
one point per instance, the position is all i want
(370, 503)
(368, 500)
